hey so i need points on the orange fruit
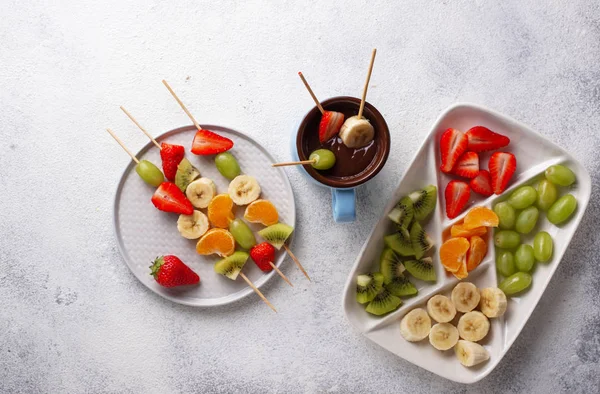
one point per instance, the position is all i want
(458, 230)
(476, 253)
(217, 241)
(480, 216)
(220, 211)
(263, 212)
(453, 252)
(462, 271)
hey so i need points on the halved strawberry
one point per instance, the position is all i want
(482, 183)
(467, 165)
(263, 255)
(502, 166)
(452, 145)
(457, 195)
(482, 139)
(208, 143)
(171, 156)
(169, 198)
(331, 123)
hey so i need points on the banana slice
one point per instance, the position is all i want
(356, 132)
(244, 189)
(192, 226)
(443, 336)
(200, 192)
(470, 353)
(465, 297)
(493, 302)
(473, 326)
(416, 325)
(441, 309)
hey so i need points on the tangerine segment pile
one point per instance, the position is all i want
(453, 253)
(480, 216)
(263, 212)
(216, 241)
(220, 211)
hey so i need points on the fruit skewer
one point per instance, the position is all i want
(277, 235)
(263, 256)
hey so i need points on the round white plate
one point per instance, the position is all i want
(143, 232)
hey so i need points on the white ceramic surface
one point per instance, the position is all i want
(143, 232)
(534, 154)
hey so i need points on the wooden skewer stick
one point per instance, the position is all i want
(188, 113)
(364, 95)
(281, 274)
(123, 146)
(311, 93)
(140, 126)
(296, 261)
(294, 163)
(257, 291)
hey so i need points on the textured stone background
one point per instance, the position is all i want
(73, 318)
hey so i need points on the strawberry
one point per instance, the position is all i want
(208, 143)
(263, 254)
(169, 271)
(171, 156)
(452, 145)
(482, 139)
(502, 166)
(482, 183)
(467, 165)
(457, 196)
(169, 198)
(330, 125)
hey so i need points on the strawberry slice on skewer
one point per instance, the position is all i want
(502, 166)
(482, 183)
(457, 195)
(452, 145)
(483, 139)
(467, 165)
(208, 143)
(171, 155)
(331, 123)
(169, 198)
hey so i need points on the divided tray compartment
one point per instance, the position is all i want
(534, 154)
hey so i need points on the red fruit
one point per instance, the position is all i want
(467, 165)
(457, 196)
(208, 143)
(169, 271)
(482, 139)
(502, 166)
(263, 254)
(452, 145)
(169, 198)
(482, 183)
(331, 123)
(171, 156)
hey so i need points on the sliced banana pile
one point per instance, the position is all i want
(472, 326)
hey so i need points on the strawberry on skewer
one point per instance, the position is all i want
(169, 198)
(263, 255)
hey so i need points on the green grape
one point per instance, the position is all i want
(526, 220)
(515, 283)
(546, 194)
(506, 214)
(560, 175)
(242, 233)
(562, 209)
(149, 173)
(522, 197)
(507, 239)
(542, 246)
(524, 258)
(505, 263)
(325, 159)
(227, 165)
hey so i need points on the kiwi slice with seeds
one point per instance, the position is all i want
(368, 286)
(421, 269)
(384, 302)
(390, 265)
(402, 214)
(421, 242)
(231, 266)
(186, 174)
(401, 286)
(423, 201)
(400, 242)
(276, 234)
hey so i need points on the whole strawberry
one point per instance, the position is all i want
(171, 156)
(169, 271)
(263, 255)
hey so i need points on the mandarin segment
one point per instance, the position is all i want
(480, 216)
(263, 212)
(476, 253)
(453, 253)
(462, 272)
(458, 230)
(220, 211)
(216, 241)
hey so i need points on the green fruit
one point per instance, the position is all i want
(515, 283)
(232, 265)
(526, 220)
(400, 242)
(507, 239)
(421, 269)
(227, 165)
(390, 265)
(401, 287)
(505, 263)
(403, 212)
(424, 201)
(383, 303)
(560, 175)
(542, 246)
(421, 242)
(562, 209)
(276, 234)
(242, 233)
(506, 214)
(186, 173)
(522, 197)
(546, 194)
(368, 286)
(524, 258)
(149, 173)
(325, 159)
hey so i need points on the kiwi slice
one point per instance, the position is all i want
(390, 265)
(186, 174)
(232, 265)
(384, 302)
(400, 242)
(424, 201)
(421, 242)
(401, 286)
(276, 234)
(421, 269)
(368, 286)
(402, 214)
